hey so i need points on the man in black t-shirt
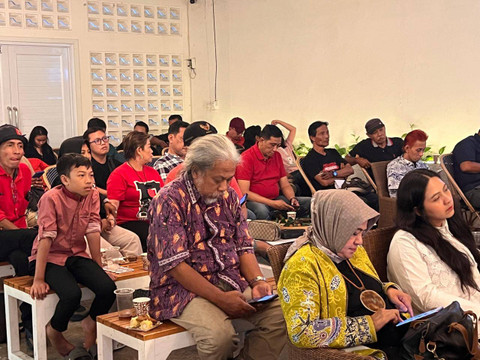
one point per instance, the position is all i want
(378, 147)
(324, 166)
(466, 166)
(102, 164)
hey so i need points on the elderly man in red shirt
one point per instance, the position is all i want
(262, 175)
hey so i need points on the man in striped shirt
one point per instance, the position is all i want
(176, 150)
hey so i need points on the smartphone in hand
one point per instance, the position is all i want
(243, 199)
(38, 174)
(263, 300)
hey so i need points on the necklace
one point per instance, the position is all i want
(370, 299)
(137, 173)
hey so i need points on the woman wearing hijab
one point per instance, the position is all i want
(330, 293)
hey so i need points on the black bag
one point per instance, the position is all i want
(450, 334)
(357, 185)
(34, 196)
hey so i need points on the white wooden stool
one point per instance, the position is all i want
(18, 289)
(156, 344)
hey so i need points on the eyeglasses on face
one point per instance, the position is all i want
(99, 141)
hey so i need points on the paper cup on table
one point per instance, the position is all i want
(124, 302)
(292, 215)
(146, 263)
(141, 305)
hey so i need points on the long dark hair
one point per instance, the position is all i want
(250, 136)
(411, 218)
(36, 131)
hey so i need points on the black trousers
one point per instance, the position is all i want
(16, 247)
(64, 281)
(139, 227)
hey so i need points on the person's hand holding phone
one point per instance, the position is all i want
(281, 205)
(294, 202)
(37, 182)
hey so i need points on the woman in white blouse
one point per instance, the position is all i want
(433, 256)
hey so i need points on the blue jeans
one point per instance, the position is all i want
(265, 212)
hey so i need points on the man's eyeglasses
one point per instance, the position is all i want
(99, 141)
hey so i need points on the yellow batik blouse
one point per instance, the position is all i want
(314, 300)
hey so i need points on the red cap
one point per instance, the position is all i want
(238, 124)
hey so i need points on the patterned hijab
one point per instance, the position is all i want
(336, 215)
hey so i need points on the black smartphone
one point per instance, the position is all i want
(38, 174)
(262, 300)
(243, 199)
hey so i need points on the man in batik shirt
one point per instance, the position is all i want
(203, 268)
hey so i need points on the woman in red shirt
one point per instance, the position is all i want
(131, 186)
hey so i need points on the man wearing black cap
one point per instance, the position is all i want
(15, 180)
(378, 147)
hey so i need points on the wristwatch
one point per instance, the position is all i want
(335, 174)
(257, 279)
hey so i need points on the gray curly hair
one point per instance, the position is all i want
(205, 151)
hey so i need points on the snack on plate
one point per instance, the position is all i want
(134, 323)
(144, 325)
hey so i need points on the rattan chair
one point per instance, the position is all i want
(376, 243)
(50, 175)
(379, 170)
(387, 205)
(471, 215)
(298, 161)
(369, 178)
(164, 150)
(154, 158)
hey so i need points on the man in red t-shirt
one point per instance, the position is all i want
(15, 181)
(262, 175)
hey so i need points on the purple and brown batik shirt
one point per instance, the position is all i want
(209, 238)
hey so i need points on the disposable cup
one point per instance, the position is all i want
(124, 302)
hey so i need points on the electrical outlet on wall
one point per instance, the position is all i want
(192, 63)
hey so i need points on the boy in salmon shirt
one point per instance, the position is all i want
(66, 214)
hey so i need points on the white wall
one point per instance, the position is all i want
(86, 41)
(343, 61)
